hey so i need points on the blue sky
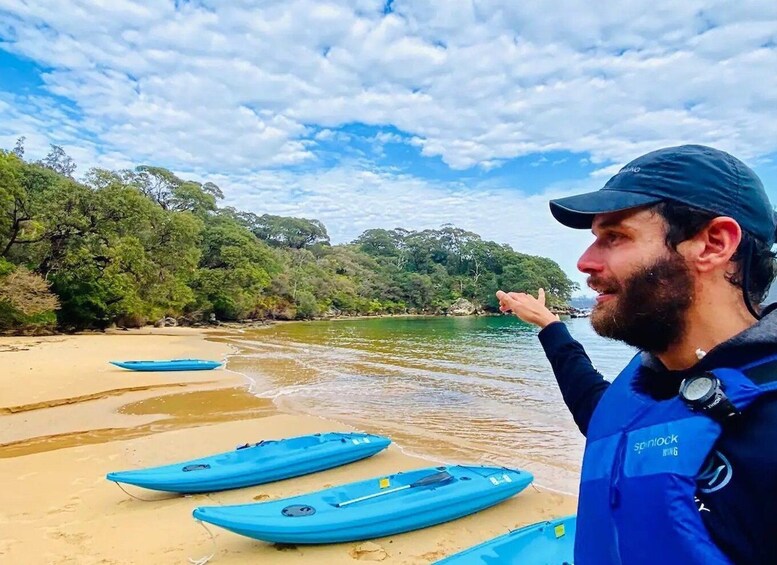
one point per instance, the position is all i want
(369, 114)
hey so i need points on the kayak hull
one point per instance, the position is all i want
(319, 519)
(169, 365)
(543, 543)
(265, 462)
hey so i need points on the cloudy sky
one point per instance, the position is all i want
(404, 113)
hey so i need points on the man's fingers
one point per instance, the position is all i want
(504, 301)
(524, 298)
(507, 300)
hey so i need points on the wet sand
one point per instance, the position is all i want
(67, 418)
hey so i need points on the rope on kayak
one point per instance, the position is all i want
(140, 498)
(204, 560)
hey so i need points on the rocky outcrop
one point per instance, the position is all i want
(332, 312)
(166, 322)
(462, 307)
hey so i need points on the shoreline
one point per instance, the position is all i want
(147, 329)
(70, 418)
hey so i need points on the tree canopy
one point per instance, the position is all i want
(131, 246)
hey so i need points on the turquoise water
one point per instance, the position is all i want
(463, 390)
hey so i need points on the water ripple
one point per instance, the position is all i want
(467, 390)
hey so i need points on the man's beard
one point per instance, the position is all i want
(648, 309)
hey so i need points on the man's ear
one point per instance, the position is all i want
(714, 245)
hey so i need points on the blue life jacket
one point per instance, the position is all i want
(638, 486)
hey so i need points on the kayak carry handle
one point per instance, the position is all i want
(435, 479)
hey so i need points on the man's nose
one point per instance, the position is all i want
(590, 261)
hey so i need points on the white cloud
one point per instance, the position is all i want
(481, 82)
(332, 135)
(247, 88)
(384, 137)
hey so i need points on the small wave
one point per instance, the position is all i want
(466, 393)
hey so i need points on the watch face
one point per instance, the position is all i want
(698, 388)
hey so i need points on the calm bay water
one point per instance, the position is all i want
(465, 390)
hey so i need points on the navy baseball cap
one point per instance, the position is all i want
(698, 176)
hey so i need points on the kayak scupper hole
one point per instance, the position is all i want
(195, 468)
(296, 510)
(465, 479)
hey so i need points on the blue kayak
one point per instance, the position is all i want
(264, 462)
(169, 365)
(544, 543)
(377, 507)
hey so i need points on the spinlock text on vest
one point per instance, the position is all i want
(656, 442)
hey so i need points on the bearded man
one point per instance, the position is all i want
(680, 465)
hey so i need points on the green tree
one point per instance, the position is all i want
(59, 161)
(18, 148)
(15, 212)
(307, 307)
(130, 246)
(281, 231)
(235, 270)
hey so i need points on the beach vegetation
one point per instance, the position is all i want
(136, 246)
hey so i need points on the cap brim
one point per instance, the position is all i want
(578, 211)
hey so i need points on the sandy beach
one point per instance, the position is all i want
(67, 417)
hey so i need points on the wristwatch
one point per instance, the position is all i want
(704, 393)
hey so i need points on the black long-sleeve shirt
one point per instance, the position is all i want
(581, 384)
(737, 488)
